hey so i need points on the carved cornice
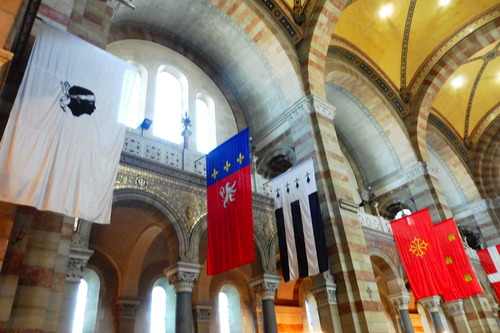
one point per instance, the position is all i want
(183, 276)
(75, 269)
(265, 286)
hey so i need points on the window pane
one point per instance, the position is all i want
(224, 313)
(202, 127)
(167, 122)
(81, 301)
(158, 310)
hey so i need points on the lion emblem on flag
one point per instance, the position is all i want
(227, 193)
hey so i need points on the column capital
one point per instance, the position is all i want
(325, 291)
(400, 300)
(127, 307)
(265, 286)
(203, 312)
(455, 308)
(183, 275)
(432, 303)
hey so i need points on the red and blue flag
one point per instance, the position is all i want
(229, 205)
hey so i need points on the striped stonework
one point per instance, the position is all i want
(42, 272)
(432, 76)
(314, 48)
(314, 136)
(480, 213)
(479, 314)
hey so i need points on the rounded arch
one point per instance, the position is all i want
(166, 208)
(389, 273)
(432, 75)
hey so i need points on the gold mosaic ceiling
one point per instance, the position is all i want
(411, 32)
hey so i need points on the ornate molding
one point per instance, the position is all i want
(183, 276)
(400, 301)
(455, 308)
(324, 108)
(265, 286)
(432, 304)
(127, 308)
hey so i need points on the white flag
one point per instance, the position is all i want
(301, 235)
(62, 144)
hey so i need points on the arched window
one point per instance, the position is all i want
(136, 103)
(313, 323)
(87, 300)
(205, 124)
(229, 310)
(163, 300)
(401, 213)
(170, 104)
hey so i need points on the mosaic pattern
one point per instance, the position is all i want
(283, 20)
(446, 130)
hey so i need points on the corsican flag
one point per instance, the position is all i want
(300, 227)
(62, 144)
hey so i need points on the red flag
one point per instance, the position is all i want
(420, 254)
(490, 259)
(229, 205)
(463, 278)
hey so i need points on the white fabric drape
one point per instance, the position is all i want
(51, 158)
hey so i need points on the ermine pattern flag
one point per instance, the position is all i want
(62, 144)
(229, 205)
(490, 259)
(463, 278)
(301, 235)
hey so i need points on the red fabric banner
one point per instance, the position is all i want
(229, 205)
(463, 278)
(490, 259)
(421, 255)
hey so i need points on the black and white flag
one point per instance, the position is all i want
(300, 228)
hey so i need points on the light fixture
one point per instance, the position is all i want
(458, 82)
(386, 11)
(145, 125)
(443, 3)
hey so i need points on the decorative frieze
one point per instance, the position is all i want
(75, 269)
(317, 105)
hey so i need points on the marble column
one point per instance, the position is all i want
(126, 310)
(324, 293)
(456, 310)
(265, 288)
(432, 304)
(400, 302)
(183, 276)
(202, 317)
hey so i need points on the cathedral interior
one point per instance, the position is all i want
(396, 102)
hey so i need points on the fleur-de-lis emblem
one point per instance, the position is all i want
(226, 167)
(214, 174)
(240, 158)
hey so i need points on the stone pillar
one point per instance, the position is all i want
(432, 304)
(126, 309)
(324, 293)
(495, 313)
(78, 257)
(183, 276)
(311, 123)
(400, 302)
(265, 288)
(202, 318)
(42, 276)
(455, 309)
(480, 314)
